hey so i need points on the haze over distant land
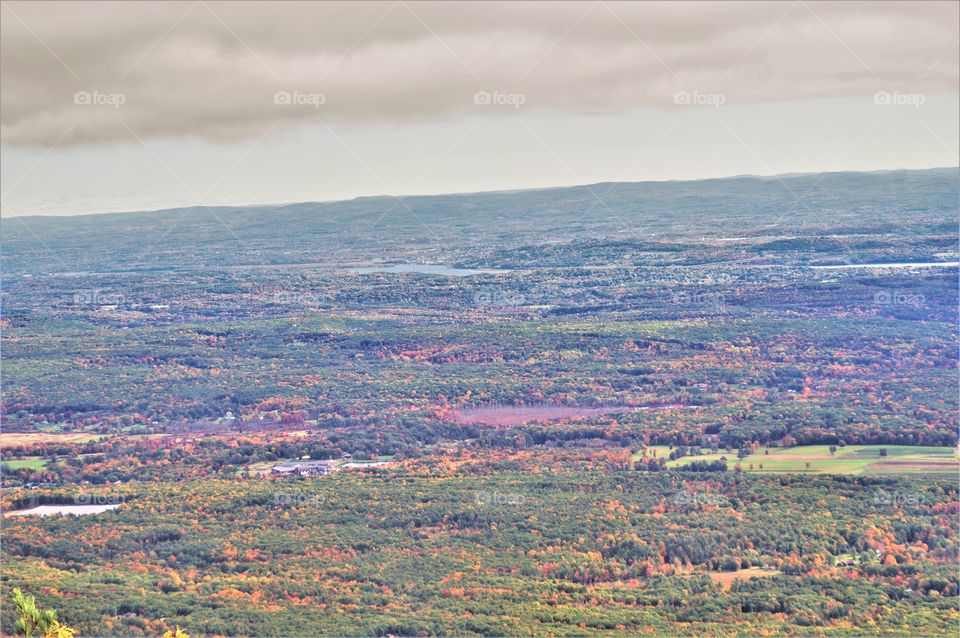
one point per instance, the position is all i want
(497, 229)
(637, 188)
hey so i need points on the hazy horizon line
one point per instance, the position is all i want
(772, 176)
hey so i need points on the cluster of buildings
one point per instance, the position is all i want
(304, 468)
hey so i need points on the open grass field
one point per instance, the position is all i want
(852, 459)
(725, 579)
(50, 427)
(10, 439)
(33, 463)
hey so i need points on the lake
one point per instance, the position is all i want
(75, 510)
(917, 264)
(426, 269)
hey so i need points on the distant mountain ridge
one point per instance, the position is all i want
(469, 228)
(281, 205)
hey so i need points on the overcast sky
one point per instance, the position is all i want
(132, 106)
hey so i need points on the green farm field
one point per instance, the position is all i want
(35, 463)
(852, 459)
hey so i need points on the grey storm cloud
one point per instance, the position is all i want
(79, 72)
